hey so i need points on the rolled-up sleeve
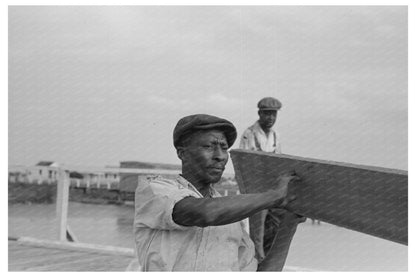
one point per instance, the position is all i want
(247, 140)
(154, 202)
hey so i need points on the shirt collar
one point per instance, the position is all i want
(258, 128)
(186, 184)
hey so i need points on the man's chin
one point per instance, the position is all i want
(215, 178)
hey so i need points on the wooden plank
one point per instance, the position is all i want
(75, 262)
(41, 258)
(55, 260)
(25, 253)
(98, 263)
(22, 254)
(366, 199)
(47, 256)
(14, 247)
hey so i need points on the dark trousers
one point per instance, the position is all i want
(272, 232)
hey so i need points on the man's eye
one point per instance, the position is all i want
(224, 147)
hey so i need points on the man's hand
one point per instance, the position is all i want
(282, 186)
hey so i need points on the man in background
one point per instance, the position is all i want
(272, 228)
(260, 136)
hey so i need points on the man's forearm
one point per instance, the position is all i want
(204, 212)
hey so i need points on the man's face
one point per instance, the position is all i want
(267, 118)
(205, 155)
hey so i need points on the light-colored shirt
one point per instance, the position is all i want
(254, 138)
(163, 245)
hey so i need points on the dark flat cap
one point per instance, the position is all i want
(269, 103)
(192, 123)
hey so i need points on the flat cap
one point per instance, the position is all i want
(192, 123)
(269, 103)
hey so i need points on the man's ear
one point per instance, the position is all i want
(180, 151)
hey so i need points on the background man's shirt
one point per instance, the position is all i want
(163, 245)
(254, 138)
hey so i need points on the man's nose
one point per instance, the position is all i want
(220, 154)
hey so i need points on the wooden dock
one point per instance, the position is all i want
(36, 255)
(31, 255)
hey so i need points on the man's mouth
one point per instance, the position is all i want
(215, 168)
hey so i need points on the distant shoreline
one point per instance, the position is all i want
(46, 194)
(24, 192)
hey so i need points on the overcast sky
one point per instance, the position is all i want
(99, 85)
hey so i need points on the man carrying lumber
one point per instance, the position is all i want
(271, 230)
(185, 224)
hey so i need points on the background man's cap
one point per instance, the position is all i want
(269, 103)
(192, 123)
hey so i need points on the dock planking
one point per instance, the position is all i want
(29, 257)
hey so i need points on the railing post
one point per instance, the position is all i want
(62, 203)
